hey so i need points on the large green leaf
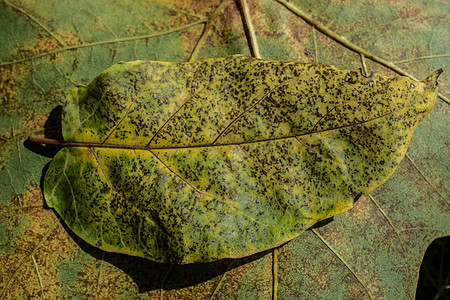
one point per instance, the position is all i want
(223, 158)
(227, 157)
(372, 251)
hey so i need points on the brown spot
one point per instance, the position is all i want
(201, 8)
(410, 12)
(33, 122)
(35, 222)
(33, 197)
(11, 78)
(230, 17)
(44, 45)
(418, 51)
(191, 36)
(71, 39)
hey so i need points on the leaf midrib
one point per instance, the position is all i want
(209, 145)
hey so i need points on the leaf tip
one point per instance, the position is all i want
(431, 81)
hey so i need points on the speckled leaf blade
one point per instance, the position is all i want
(226, 157)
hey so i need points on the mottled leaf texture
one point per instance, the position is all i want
(372, 251)
(225, 157)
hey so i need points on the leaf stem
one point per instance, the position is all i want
(250, 28)
(343, 41)
(60, 143)
(275, 274)
(340, 39)
(207, 28)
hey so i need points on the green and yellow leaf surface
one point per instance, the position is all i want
(182, 161)
(224, 158)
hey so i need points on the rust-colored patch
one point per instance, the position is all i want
(300, 31)
(330, 46)
(32, 197)
(39, 218)
(35, 221)
(190, 37)
(230, 17)
(256, 14)
(201, 8)
(359, 206)
(11, 78)
(23, 283)
(114, 282)
(230, 24)
(256, 273)
(44, 45)
(72, 39)
(418, 51)
(47, 44)
(61, 245)
(297, 35)
(233, 277)
(410, 12)
(32, 122)
(58, 247)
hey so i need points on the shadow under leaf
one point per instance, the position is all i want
(52, 130)
(149, 275)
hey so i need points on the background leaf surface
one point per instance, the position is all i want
(373, 251)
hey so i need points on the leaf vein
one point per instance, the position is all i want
(209, 22)
(178, 175)
(122, 119)
(97, 145)
(30, 254)
(145, 215)
(389, 221)
(94, 44)
(258, 164)
(39, 276)
(426, 179)
(343, 261)
(118, 193)
(251, 107)
(36, 21)
(74, 201)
